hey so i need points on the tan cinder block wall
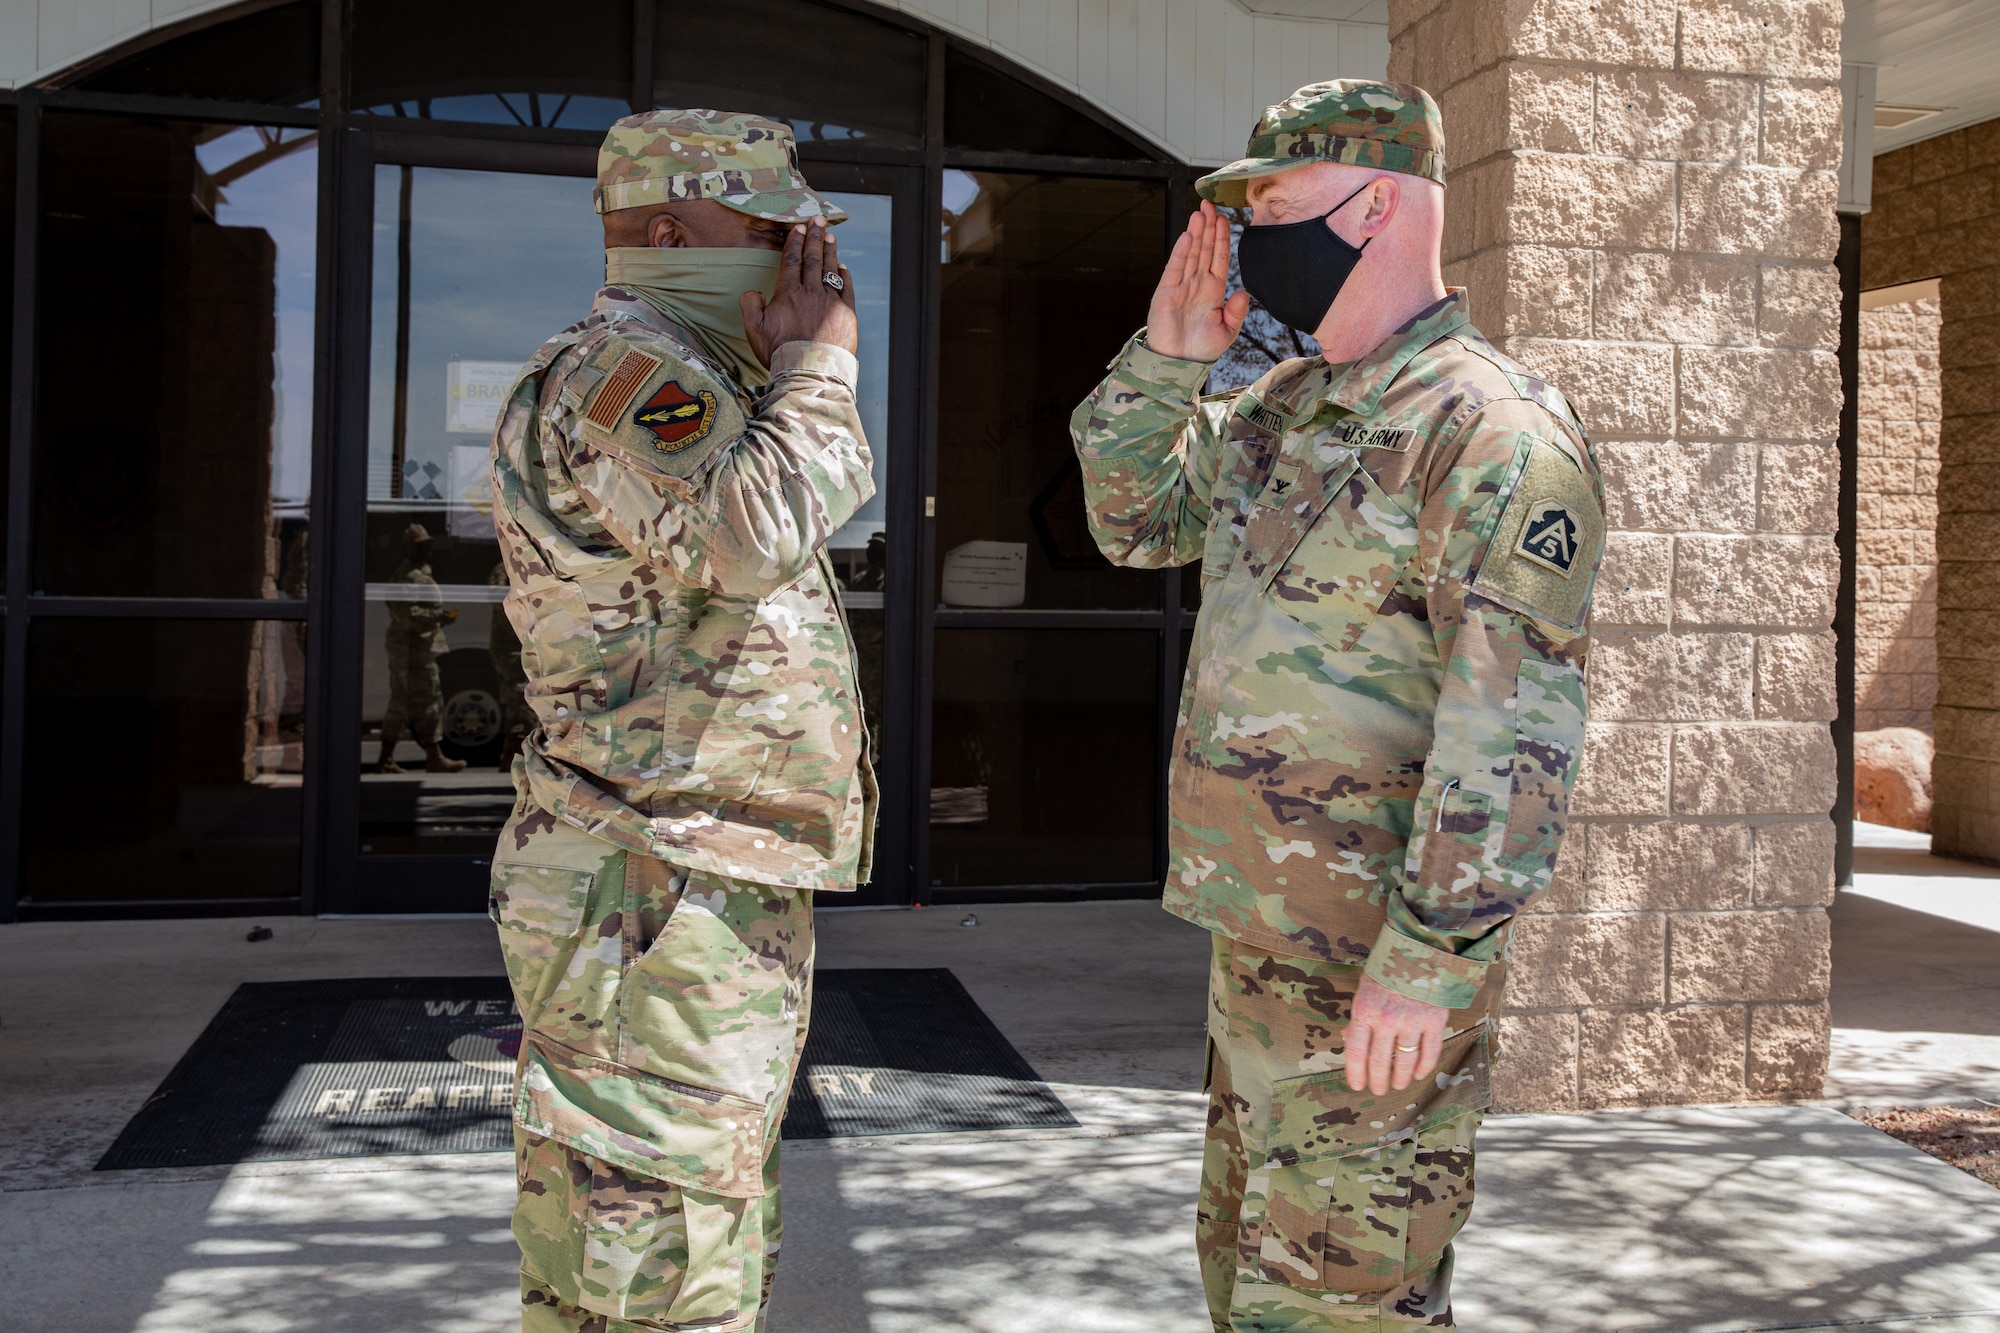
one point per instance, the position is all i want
(1936, 215)
(1895, 622)
(1641, 202)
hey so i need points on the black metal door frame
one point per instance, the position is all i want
(354, 884)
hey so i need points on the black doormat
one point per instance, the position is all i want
(395, 1066)
(904, 1050)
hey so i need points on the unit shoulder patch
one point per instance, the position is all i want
(1545, 551)
(1549, 535)
(676, 416)
(1361, 435)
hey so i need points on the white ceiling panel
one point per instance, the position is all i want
(1928, 53)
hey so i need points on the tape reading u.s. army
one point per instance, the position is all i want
(1359, 435)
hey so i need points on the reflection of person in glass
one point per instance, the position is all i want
(503, 646)
(666, 474)
(874, 575)
(414, 642)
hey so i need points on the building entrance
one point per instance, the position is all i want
(260, 561)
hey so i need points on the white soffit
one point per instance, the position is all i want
(1927, 53)
(1189, 75)
(1345, 11)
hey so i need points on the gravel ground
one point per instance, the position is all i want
(1968, 1139)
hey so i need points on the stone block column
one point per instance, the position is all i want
(1641, 203)
(1895, 630)
(1936, 215)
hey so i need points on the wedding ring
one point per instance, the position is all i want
(834, 281)
(1401, 1047)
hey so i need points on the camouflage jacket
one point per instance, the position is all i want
(686, 653)
(1383, 712)
(419, 620)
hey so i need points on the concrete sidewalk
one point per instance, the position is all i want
(1916, 976)
(1706, 1219)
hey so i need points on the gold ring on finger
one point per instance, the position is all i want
(1405, 1049)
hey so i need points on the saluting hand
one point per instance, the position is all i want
(804, 308)
(1189, 317)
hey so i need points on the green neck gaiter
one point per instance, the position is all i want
(700, 290)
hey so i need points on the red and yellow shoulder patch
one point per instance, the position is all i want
(676, 417)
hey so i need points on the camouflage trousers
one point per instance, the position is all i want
(1324, 1208)
(415, 688)
(663, 1014)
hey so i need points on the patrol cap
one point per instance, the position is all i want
(744, 162)
(1362, 122)
(416, 532)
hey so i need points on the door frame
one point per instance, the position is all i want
(408, 884)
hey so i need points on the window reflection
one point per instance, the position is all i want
(177, 464)
(199, 723)
(442, 709)
(1044, 278)
(564, 111)
(442, 706)
(1009, 803)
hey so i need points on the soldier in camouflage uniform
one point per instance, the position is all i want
(414, 641)
(1384, 708)
(666, 473)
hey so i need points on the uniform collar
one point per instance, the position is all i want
(1359, 385)
(624, 303)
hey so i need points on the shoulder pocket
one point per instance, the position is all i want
(658, 410)
(544, 900)
(1544, 555)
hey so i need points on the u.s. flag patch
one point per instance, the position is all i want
(1549, 536)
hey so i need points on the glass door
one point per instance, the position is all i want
(1050, 666)
(472, 269)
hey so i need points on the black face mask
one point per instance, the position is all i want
(1296, 269)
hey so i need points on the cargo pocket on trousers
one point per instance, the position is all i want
(540, 912)
(1336, 1223)
(714, 1003)
(662, 1254)
(634, 1248)
(1347, 1190)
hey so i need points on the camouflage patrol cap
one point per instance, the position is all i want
(1362, 122)
(744, 162)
